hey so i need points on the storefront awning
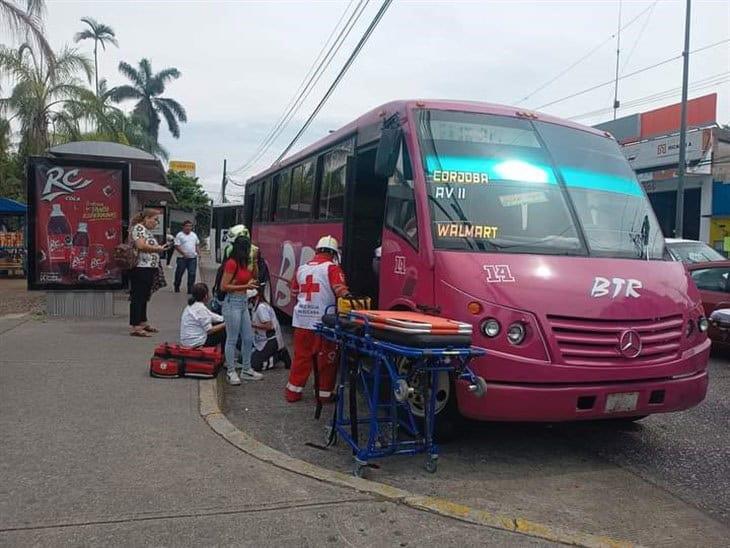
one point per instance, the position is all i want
(152, 191)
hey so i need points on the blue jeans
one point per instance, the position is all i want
(238, 324)
(184, 264)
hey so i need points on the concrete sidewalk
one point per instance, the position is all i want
(94, 451)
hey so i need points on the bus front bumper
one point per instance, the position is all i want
(561, 402)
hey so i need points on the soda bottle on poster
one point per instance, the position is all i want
(98, 262)
(59, 241)
(80, 251)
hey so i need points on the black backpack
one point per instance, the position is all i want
(217, 293)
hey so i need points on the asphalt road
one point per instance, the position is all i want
(687, 453)
(664, 480)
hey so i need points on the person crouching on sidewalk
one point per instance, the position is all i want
(316, 287)
(239, 275)
(198, 325)
(268, 341)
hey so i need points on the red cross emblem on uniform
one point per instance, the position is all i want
(309, 287)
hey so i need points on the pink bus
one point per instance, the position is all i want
(532, 228)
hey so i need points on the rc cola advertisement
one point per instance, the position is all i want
(78, 214)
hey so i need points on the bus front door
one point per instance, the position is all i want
(363, 224)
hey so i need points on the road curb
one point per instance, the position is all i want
(210, 409)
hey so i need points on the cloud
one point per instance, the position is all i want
(242, 61)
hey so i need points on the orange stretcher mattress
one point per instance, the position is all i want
(406, 328)
(414, 322)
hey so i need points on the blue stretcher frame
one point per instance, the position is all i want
(386, 416)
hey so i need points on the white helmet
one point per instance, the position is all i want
(236, 231)
(328, 242)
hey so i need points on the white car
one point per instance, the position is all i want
(692, 251)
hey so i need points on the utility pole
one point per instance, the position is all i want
(616, 102)
(679, 222)
(224, 182)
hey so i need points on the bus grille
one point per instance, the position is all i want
(589, 342)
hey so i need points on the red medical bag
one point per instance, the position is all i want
(173, 360)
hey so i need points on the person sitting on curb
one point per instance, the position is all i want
(315, 287)
(198, 325)
(268, 341)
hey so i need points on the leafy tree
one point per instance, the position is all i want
(191, 197)
(26, 23)
(41, 91)
(147, 89)
(12, 176)
(100, 34)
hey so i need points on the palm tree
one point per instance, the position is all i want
(146, 89)
(100, 34)
(41, 91)
(26, 23)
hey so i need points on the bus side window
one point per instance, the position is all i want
(302, 191)
(257, 203)
(400, 212)
(283, 191)
(332, 191)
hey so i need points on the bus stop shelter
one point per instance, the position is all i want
(148, 181)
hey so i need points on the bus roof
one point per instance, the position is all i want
(401, 107)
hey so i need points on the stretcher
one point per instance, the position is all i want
(387, 360)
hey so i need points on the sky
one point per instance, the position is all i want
(243, 61)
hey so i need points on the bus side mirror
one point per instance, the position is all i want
(386, 156)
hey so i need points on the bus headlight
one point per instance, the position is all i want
(516, 333)
(490, 327)
(703, 324)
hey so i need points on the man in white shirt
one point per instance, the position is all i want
(187, 245)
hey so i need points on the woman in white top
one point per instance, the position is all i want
(198, 325)
(141, 277)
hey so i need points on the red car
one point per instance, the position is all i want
(713, 281)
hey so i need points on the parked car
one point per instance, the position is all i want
(692, 251)
(713, 280)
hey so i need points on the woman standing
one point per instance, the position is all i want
(142, 275)
(239, 275)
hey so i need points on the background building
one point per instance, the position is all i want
(650, 141)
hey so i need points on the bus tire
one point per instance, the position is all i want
(448, 420)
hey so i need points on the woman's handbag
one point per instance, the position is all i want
(158, 279)
(125, 254)
(215, 305)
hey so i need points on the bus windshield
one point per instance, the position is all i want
(505, 184)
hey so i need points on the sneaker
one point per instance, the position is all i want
(251, 375)
(233, 378)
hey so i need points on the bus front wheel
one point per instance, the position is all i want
(448, 419)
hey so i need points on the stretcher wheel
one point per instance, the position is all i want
(479, 388)
(432, 463)
(358, 468)
(330, 436)
(401, 390)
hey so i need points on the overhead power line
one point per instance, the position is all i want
(310, 80)
(703, 83)
(629, 75)
(374, 23)
(639, 36)
(583, 58)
